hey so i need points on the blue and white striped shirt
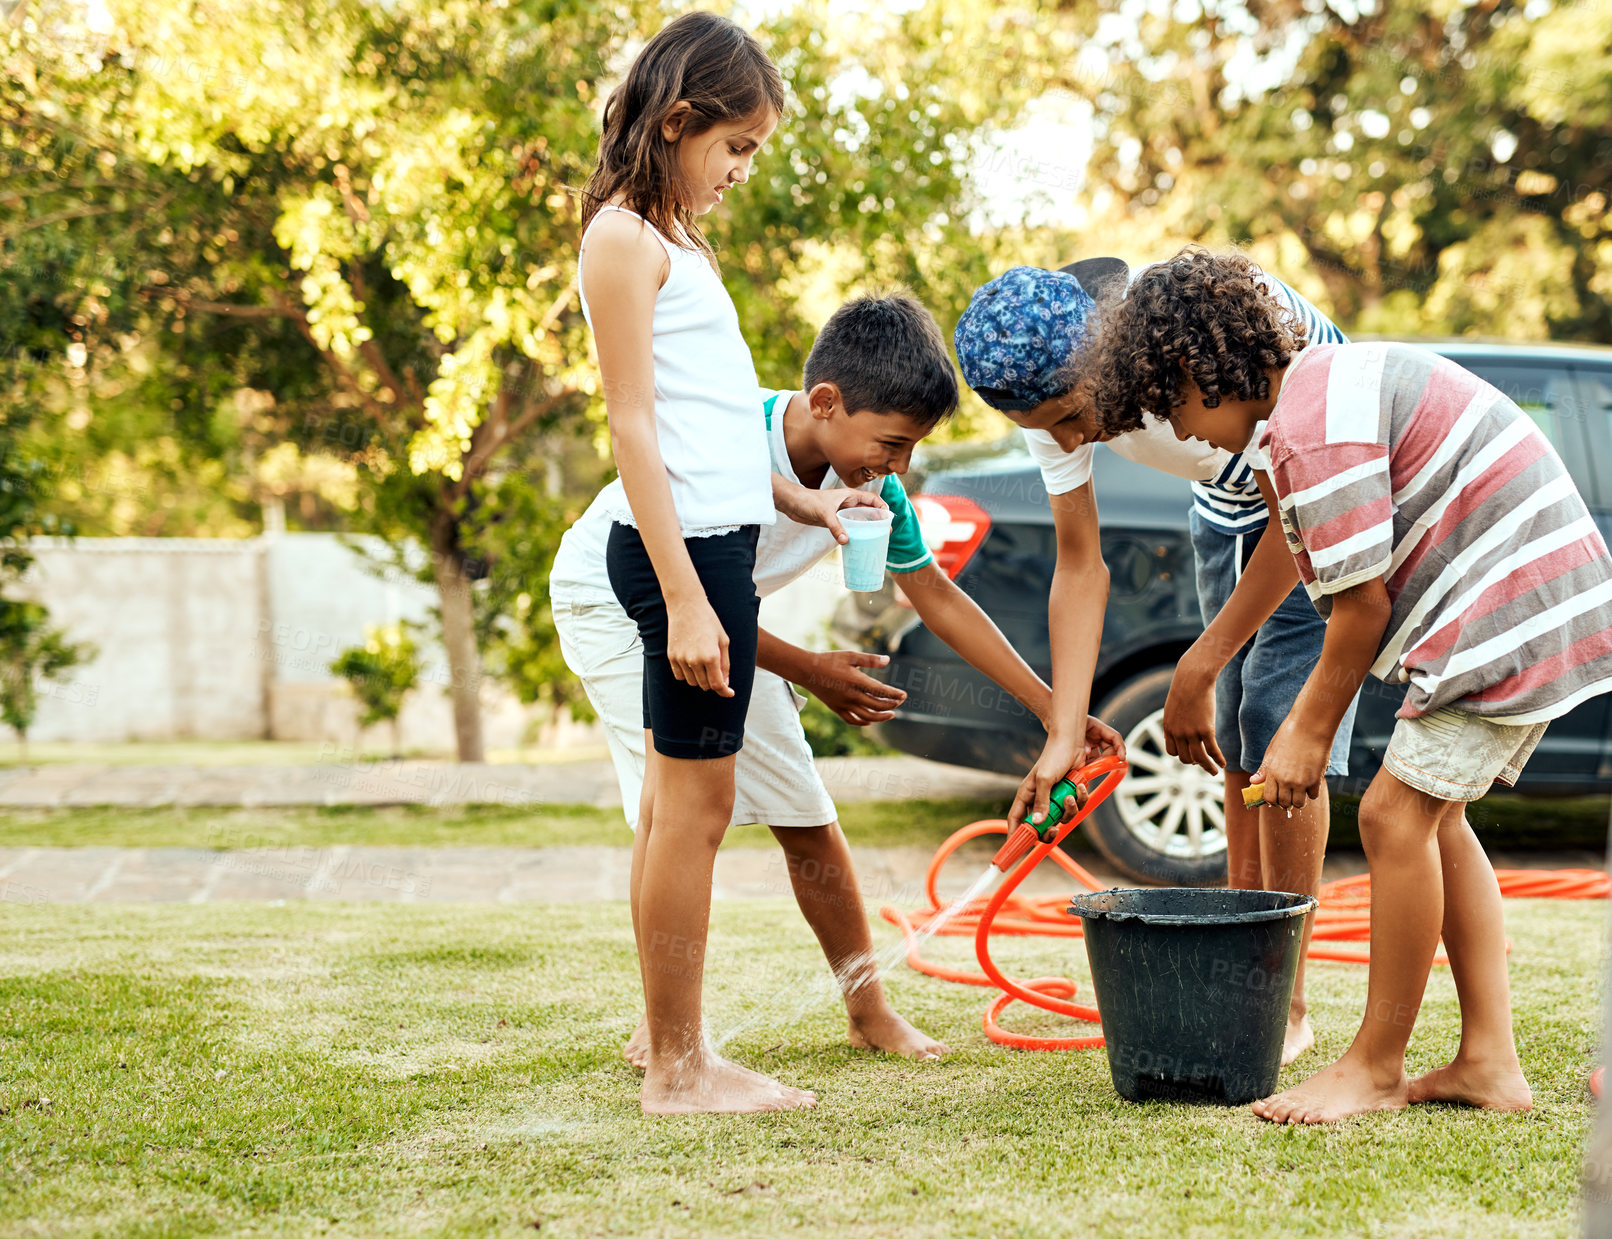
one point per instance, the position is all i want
(1231, 501)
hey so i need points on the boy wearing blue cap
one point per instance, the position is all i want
(1021, 343)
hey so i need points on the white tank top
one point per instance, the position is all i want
(706, 394)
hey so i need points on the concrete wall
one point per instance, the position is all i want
(231, 639)
(174, 622)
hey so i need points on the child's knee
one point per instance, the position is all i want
(694, 831)
(1393, 815)
(812, 854)
(713, 812)
(806, 842)
(1454, 816)
(719, 800)
(697, 809)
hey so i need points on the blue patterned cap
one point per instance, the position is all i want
(1018, 334)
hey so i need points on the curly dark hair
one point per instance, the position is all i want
(1200, 317)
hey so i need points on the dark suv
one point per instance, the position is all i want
(985, 513)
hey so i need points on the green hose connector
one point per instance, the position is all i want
(1062, 790)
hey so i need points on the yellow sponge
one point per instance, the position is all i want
(1253, 795)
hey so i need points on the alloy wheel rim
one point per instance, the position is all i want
(1170, 808)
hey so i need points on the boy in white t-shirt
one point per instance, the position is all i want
(877, 381)
(1021, 344)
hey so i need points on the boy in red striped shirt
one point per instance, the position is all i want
(1440, 534)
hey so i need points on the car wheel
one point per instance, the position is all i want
(1166, 822)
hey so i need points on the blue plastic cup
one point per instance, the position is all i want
(862, 558)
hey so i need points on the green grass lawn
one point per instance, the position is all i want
(451, 1070)
(923, 823)
(1501, 821)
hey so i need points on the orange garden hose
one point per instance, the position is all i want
(1343, 917)
(1025, 917)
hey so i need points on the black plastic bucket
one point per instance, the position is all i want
(1194, 987)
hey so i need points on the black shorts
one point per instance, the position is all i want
(686, 720)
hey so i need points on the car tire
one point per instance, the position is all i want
(1165, 823)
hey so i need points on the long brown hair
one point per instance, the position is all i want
(715, 66)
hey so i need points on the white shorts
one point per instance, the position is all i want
(775, 779)
(1455, 755)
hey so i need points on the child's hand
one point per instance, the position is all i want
(1101, 740)
(837, 681)
(1033, 799)
(1035, 793)
(806, 506)
(1058, 758)
(1295, 767)
(697, 646)
(1189, 716)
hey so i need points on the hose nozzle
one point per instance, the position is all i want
(1020, 840)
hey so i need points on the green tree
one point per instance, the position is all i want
(518, 523)
(1418, 166)
(32, 651)
(359, 209)
(868, 182)
(270, 236)
(24, 493)
(381, 673)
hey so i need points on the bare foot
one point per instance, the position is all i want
(887, 1031)
(1491, 1086)
(636, 1051)
(710, 1084)
(1298, 1038)
(1334, 1093)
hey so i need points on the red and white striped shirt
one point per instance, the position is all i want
(1391, 461)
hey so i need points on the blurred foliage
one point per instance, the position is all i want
(519, 527)
(24, 491)
(325, 255)
(831, 736)
(381, 673)
(344, 229)
(867, 183)
(319, 259)
(32, 651)
(1418, 166)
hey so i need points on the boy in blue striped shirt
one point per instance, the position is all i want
(1021, 344)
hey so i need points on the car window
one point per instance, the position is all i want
(1595, 382)
(1547, 394)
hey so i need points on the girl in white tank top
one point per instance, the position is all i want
(691, 447)
(712, 445)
